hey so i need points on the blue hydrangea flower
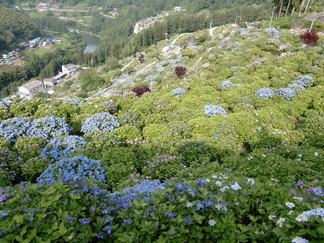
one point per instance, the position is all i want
(74, 101)
(286, 93)
(5, 103)
(305, 80)
(298, 239)
(188, 220)
(3, 213)
(59, 147)
(85, 221)
(318, 191)
(48, 127)
(14, 127)
(305, 216)
(103, 122)
(272, 31)
(265, 93)
(225, 84)
(170, 215)
(178, 91)
(127, 221)
(108, 229)
(214, 110)
(101, 235)
(297, 87)
(76, 168)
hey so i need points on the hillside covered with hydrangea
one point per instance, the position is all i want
(232, 151)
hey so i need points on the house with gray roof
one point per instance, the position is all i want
(29, 90)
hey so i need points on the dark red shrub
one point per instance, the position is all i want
(180, 71)
(141, 90)
(141, 58)
(310, 38)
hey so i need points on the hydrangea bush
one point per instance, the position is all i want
(286, 93)
(214, 110)
(178, 91)
(265, 93)
(222, 206)
(298, 88)
(10, 167)
(272, 31)
(75, 168)
(306, 81)
(14, 127)
(225, 84)
(100, 122)
(74, 101)
(60, 147)
(6, 103)
(48, 127)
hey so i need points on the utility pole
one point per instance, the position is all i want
(307, 6)
(310, 29)
(287, 8)
(280, 9)
(301, 7)
(236, 17)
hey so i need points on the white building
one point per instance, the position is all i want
(69, 68)
(30, 89)
(49, 82)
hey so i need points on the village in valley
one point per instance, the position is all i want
(13, 57)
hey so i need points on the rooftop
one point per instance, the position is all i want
(32, 84)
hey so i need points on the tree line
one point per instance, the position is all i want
(15, 28)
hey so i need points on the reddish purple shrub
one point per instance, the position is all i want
(180, 71)
(141, 58)
(310, 38)
(141, 90)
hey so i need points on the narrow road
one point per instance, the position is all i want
(211, 32)
(127, 65)
(177, 38)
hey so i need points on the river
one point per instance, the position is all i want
(91, 40)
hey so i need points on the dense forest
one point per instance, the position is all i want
(15, 28)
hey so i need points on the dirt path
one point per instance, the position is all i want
(211, 32)
(127, 65)
(178, 37)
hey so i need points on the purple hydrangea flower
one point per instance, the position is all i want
(85, 221)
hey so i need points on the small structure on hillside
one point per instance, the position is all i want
(171, 49)
(30, 89)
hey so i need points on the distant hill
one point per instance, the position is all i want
(14, 28)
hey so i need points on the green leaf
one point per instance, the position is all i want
(320, 229)
(62, 229)
(23, 231)
(161, 240)
(49, 191)
(18, 238)
(18, 219)
(171, 231)
(44, 203)
(198, 218)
